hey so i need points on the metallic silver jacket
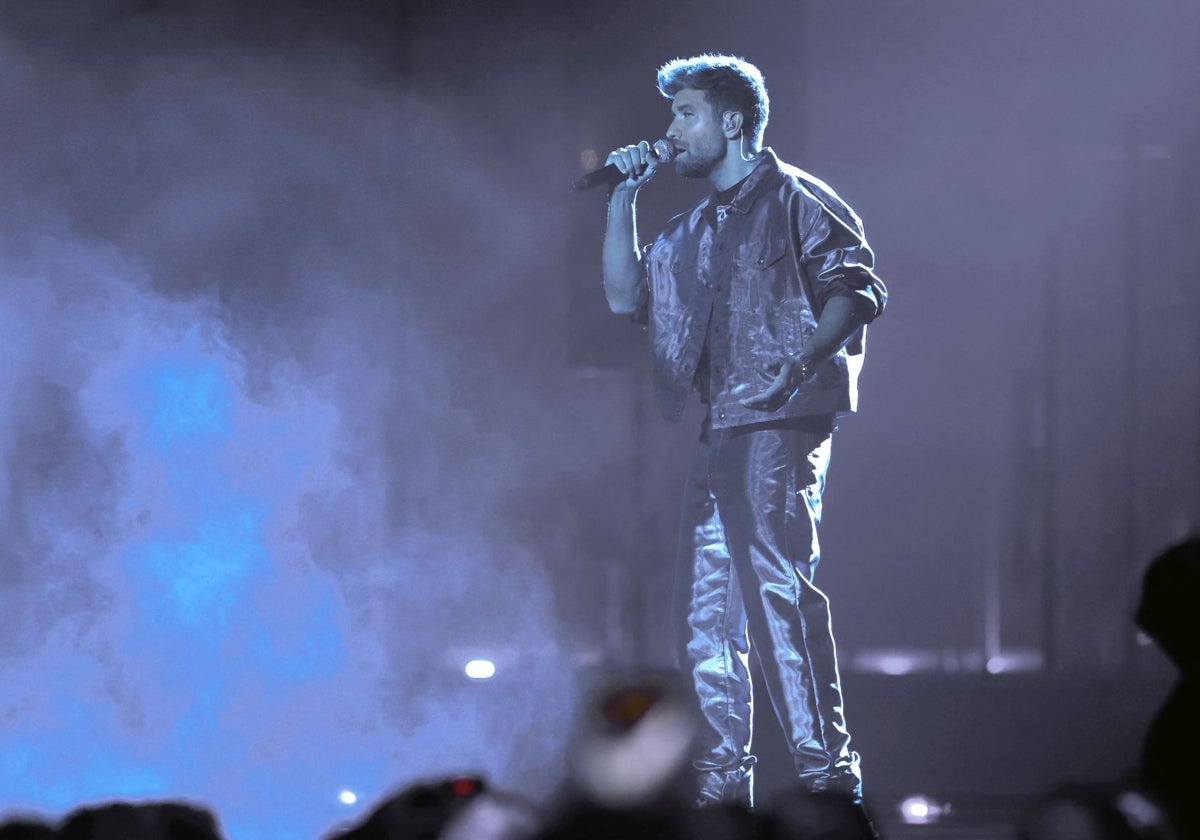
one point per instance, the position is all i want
(754, 285)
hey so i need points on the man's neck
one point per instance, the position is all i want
(733, 168)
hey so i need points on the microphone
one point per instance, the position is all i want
(610, 175)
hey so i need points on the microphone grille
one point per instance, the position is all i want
(664, 150)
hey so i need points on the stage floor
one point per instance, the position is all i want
(986, 745)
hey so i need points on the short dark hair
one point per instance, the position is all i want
(729, 83)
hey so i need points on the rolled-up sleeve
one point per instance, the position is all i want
(838, 262)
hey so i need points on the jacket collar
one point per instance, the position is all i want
(761, 179)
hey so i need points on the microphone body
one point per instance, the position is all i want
(610, 175)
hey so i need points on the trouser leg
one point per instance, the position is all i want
(768, 484)
(712, 643)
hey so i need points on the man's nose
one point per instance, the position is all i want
(673, 132)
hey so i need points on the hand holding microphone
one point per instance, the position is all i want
(630, 166)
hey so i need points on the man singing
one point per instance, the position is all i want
(758, 298)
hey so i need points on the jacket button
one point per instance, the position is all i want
(721, 415)
(675, 266)
(762, 261)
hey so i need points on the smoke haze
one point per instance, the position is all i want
(265, 423)
(308, 394)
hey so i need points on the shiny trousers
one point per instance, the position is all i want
(748, 550)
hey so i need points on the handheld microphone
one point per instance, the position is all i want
(610, 175)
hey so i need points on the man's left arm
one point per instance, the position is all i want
(839, 264)
(840, 319)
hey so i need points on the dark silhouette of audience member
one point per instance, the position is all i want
(26, 828)
(149, 821)
(1169, 613)
(817, 816)
(631, 744)
(628, 766)
(420, 812)
(495, 815)
(588, 821)
(660, 820)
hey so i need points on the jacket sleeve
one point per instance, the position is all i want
(836, 260)
(641, 312)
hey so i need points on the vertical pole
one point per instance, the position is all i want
(992, 606)
(1128, 568)
(1045, 431)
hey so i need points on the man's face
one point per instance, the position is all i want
(696, 133)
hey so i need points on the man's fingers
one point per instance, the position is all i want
(635, 161)
(761, 399)
(631, 160)
(622, 158)
(780, 383)
(648, 156)
(772, 391)
(759, 402)
(643, 163)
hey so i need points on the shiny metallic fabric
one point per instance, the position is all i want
(748, 550)
(750, 288)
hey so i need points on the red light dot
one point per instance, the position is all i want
(465, 787)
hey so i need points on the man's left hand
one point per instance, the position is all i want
(788, 373)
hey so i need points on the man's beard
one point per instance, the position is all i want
(689, 165)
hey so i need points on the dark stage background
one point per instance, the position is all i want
(310, 396)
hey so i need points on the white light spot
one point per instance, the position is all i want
(897, 664)
(481, 669)
(919, 810)
(347, 797)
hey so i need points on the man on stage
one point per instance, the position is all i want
(758, 298)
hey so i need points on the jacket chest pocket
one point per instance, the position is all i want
(670, 278)
(760, 275)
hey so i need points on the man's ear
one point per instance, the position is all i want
(731, 123)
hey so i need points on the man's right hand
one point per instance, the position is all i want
(638, 163)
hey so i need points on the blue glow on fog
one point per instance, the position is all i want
(203, 574)
(218, 672)
(76, 761)
(219, 652)
(306, 644)
(189, 399)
